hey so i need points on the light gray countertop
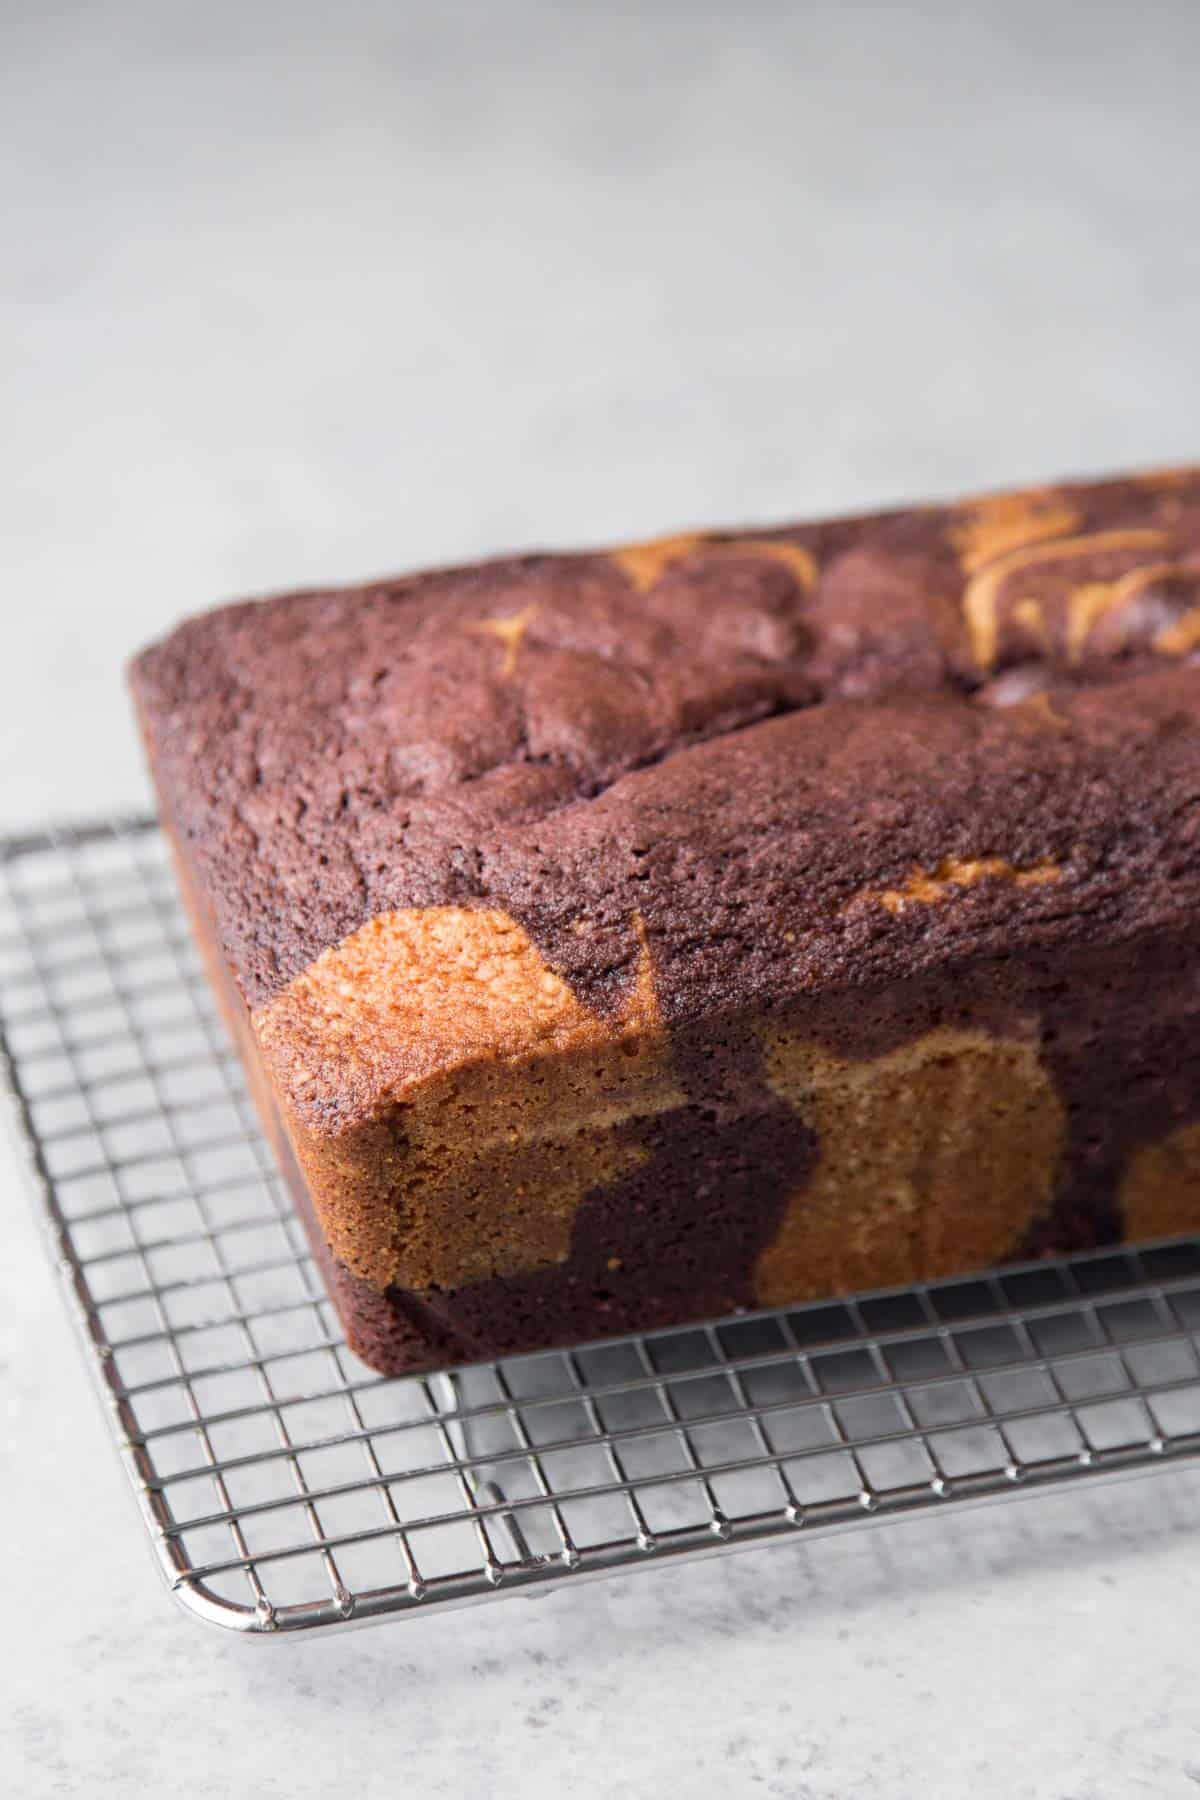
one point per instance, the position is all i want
(304, 293)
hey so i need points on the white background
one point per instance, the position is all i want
(305, 292)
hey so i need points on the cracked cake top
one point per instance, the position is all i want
(772, 761)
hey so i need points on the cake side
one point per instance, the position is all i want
(756, 962)
(1029, 1105)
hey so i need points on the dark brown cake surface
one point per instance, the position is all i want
(526, 733)
(683, 837)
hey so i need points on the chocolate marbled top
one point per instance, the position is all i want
(803, 758)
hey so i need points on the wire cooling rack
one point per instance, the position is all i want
(286, 1487)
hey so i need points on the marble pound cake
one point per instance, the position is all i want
(619, 939)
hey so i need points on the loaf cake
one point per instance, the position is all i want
(619, 939)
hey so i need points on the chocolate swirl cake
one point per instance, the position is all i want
(624, 938)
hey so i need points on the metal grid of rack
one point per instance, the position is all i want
(286, 1487)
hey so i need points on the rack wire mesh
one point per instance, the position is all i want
(286, 1487)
